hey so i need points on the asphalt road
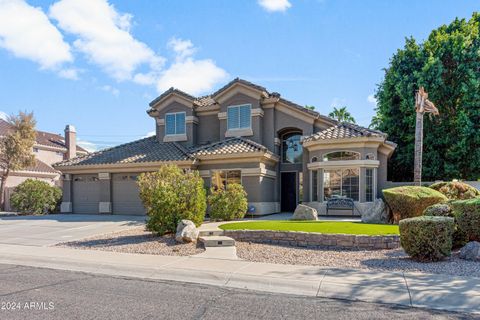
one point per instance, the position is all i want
(36, 293)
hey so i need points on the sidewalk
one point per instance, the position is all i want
(409, 289)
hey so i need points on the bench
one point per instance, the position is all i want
(340, 204)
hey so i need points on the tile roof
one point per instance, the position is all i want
(169, 91)
(139, 151)
(42, 167)
(43, 138)
(344, 131)
(228, 146)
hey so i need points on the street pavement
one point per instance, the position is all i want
(38, 293)
(51, 229)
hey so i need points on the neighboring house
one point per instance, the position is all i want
(49, 148)
(281, 152)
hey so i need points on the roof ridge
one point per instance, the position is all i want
(184, 150)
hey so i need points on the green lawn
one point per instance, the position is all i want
(315, 226)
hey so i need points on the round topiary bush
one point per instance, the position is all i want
(456, 190)
(467, 214)
(459, 237)
(170, 195)
(228, 203)
(35, 197)
(411, 201)
(427, 238)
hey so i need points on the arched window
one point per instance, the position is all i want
(292, 150)
(341, 155)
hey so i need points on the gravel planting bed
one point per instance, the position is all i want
(136, 240)
(394, 260)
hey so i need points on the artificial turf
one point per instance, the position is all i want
(331, 227)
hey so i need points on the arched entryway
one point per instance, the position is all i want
(291, 176)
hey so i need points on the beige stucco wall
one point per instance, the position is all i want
(48, 156)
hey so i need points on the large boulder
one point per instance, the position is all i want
(186, 232)
(303, 212)
(377, 213)
(471, 251)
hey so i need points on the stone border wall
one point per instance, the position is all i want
(315, 240)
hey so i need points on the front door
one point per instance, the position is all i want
(289, 191)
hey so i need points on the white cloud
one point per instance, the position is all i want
(371, 99)
(89, 146)
(70, 73)
(110, 89)
(186, 73)
(3, 115)
(338, 102)
(26, 32)
(104, 36)
(275, 5)
(149, 134)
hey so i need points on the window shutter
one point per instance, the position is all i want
(245, 116)
(233, 118)
(180, 123)
(170, 124)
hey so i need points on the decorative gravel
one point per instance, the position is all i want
(136, 240)
(393, 260)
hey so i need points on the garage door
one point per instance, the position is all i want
(125, 194)
(86, 193)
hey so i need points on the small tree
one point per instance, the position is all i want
(228, 203)
(36, 196)
(341, 115)
(170, 195)
(16, 148)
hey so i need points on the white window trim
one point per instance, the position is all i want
(175, 114)
(240, 128)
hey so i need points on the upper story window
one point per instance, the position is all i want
(175, 123)
(292, 150)
(341, 155)
(239, 117)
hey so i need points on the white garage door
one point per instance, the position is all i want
(125, 194)
(86, 193)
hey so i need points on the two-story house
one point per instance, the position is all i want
(281, 152)
(49, 148)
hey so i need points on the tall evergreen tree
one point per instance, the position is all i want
(447, 64)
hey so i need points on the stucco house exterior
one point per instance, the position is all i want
(49, 148)
(281, 152)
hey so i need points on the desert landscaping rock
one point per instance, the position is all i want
(303, 212)
(385, 260)
(186, 232)
(471, 251)
(137, 241)
(376, 214)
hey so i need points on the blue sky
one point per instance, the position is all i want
(96, 63)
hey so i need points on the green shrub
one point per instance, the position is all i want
(467, 213)
(410, 201)
(456, 190)
(427, 238)
(35, 196)
(459, 237)
(229, 203)
(170, 195)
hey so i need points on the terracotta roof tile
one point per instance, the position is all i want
(229, 146)
(344, 130)
(144, 150)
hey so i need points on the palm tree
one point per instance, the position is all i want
(341, 115)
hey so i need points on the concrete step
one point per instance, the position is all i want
(210, 232)
(217, 241)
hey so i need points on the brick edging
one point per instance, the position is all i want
(314, 240)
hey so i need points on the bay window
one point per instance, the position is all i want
(341, 183)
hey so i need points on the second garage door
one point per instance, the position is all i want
(125, 194)
(86, 193)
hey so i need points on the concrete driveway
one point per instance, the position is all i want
(52, 229)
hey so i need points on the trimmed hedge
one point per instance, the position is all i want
(228, 203)
(411, 201)
(456, 190)
(459, 237)
(467, 213)
(35, 197)
(171, 195)
(427, 238)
